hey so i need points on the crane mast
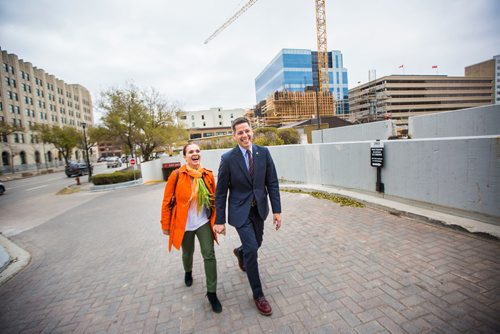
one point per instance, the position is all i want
(322, 47)
(320, 35)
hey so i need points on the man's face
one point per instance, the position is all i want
(243, 135)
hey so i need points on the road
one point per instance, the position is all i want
(32, 201)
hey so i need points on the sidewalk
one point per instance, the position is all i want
(330, 269)
(423, 211)
(29, 173)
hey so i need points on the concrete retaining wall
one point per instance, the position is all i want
(479, 121)
(359, 132)
(461, 173)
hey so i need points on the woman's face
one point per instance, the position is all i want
(193, 156)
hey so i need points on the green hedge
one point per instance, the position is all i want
(115, 177)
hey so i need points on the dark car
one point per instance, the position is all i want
(77, 169)
(2, 188)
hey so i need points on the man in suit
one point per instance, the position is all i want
(248, 173)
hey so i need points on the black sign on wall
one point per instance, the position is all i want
(377, 154)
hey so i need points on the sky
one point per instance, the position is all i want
(103, 44)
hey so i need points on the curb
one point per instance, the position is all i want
(107, 187)
(18, 256)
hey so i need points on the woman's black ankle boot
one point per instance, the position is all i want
(214, 301)
(188, 278)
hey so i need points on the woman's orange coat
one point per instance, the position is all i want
(179, 214)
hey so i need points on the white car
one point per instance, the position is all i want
(112, 162)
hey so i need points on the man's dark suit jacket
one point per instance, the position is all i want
(234, 176)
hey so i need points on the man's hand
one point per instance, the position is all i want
(166, 232)
(277, 220)
(220, 229)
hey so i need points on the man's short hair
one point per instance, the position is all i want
(239, 120)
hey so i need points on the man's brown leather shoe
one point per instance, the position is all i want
(263, 306)
(238, 254)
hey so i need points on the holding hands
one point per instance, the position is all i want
(220, 229)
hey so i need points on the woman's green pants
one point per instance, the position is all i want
(206, 239)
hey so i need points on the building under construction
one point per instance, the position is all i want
(289, 107)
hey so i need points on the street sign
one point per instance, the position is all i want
(377, 154)
(171, 165)
(132, 162)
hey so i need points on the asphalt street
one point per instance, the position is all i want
(101, 265)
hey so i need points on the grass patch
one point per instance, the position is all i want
(68, 190)
(343, 201)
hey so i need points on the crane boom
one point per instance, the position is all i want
(323, 76)
(322, 48)
(231, 19)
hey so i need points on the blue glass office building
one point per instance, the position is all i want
(294, 69)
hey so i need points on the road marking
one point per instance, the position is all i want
(36, 188)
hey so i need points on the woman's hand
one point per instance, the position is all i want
(220, 229)
(166, 232)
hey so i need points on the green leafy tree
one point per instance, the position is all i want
(142, 121)
(289, 136)
(267, 137)
(158, 130)
(64, 139)
(123, 111)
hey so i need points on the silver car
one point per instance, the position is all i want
(112, 162)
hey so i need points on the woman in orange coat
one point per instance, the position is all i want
(193, 214)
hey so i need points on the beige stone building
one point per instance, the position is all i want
(209, 122)
(29, 95)
(490, 69)
(398, 97)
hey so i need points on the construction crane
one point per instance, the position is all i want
(320, 34)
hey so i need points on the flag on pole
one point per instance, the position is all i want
(401, 66)
(434, 66)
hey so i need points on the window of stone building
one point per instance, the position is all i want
(37, 157)
(22, 157)
(5, 158)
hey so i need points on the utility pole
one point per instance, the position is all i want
(89, 168)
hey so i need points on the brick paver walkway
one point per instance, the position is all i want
(330, 269)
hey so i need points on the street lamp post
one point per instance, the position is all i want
(89, 168)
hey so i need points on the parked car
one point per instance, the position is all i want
(101, 159)
(75, 168)
(113, 162)
(2, 188)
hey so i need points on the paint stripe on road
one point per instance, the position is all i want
(36, 188)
